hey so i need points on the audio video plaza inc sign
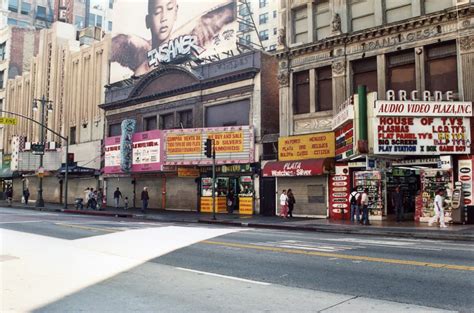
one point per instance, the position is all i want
(422, 127)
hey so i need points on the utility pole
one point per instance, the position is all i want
(213, 179)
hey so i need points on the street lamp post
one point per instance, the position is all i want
(44, 103)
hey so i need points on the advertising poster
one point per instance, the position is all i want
(112, 155)
(339, 191)
(314, 146)
(147, 151)
(170, 32)
(466, 177)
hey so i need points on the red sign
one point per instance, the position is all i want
(339, 206)
(296, 168)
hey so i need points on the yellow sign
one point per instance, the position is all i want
(246, 205)
(8, 120)
(188, 172)
(206, 204)
(314, 146)
(183, 144)
(228, 141)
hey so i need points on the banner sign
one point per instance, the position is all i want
(146, 150)
(400, 129)
(188, 172)
(314, 146)
(344, 141)
(186, 146)
(298, 168)
(170, 32)
(339, 193)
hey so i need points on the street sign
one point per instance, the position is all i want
(37, 148)
(8, 120)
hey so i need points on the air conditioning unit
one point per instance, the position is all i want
(27, 146)
(51, 145)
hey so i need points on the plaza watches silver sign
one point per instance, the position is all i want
(433, 124)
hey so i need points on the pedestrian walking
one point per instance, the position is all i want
(230, 202)
(283, 204)
(145, 199)
(397, 203)
(91, 203)
(100, 199)
(9, 195)
(291, 202)
(117, 196)
(125, 203)
(365, 206)
(354, 199)
(26, 195)
(438, 210)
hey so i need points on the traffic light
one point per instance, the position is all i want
(208, 148)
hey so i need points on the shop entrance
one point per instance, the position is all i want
(268, 201)
(410, 184)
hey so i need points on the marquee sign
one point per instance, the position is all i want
(422, 128)
(314, 146)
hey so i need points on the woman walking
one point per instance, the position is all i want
(284, 204)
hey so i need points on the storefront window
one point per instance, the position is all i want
(441, 68)
(115, 130)
(365, 73)
(401, 71)
(246, 186)
(301, 92)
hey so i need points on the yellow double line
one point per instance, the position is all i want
(342, 256)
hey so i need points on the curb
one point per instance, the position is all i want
(99, 213)
(433, 236)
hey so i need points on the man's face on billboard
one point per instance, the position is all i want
(160, 19)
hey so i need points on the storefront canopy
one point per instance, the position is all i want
(6, 173)
(312, 167)
(78, 170)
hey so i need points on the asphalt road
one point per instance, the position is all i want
(100, 264)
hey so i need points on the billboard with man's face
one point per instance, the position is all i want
(148, 33)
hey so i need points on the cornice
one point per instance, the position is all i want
(379, 31)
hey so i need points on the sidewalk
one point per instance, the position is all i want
(408, 229)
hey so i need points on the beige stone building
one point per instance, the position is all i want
(72, 77)
(329, 47)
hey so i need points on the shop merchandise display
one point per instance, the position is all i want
(431, 181)
(373, 181)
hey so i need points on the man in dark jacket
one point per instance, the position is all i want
(145, 199)
(397, 203)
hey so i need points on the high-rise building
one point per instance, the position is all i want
(258, 23)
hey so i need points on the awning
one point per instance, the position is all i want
(6, 173)
(78, 170)
(311, 167)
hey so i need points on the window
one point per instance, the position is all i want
(2, 76)
(243, 10)
(110, 26)
(397, 10)
(111, 4)
(274, 14)
(401, 71)
(324, 89)
(98, 21)
(115, 130)
(263, 34)
(301, 92)
(365, 73)
(263, 18)
(13, 5)
(244, 25)
(362, 14)
(262, 3)
(3, 46)
(441, 67)
(275, 31)
(150, 123)
(300, 25)
(91, 20)
(167, 121)
(228, 114)
(72, 135)
(79, 21)
(437, 5)
(272, 47)
(322, 19)
(12, 22)
(186, 119)
(25, 8)
(23, 24)
(41, 12)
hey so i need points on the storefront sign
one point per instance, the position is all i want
(297, 168)
(344, 141)
(188, 172)
(408, 162)
(346, 114)
(466, 177)
(314, 146)
(246, 205)
(403, 95)
(233, 145)
(339, 206)
(235, 168)
(147, 151)
(423, 108)
(112, 155)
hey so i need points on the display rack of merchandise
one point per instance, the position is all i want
(431, 181)
(372, 180)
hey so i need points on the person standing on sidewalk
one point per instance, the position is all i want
(438, 210)
(87, 194)
(100, 199)
(355, 205)
(284, 204)
(365, 206)
(291, 202)
(397, 203)
(26, 195)
(9, 195)
(145, 199)
(117, 196)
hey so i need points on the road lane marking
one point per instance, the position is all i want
(223, 276)
(107, 230)
(343, 256)
(19, 222)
